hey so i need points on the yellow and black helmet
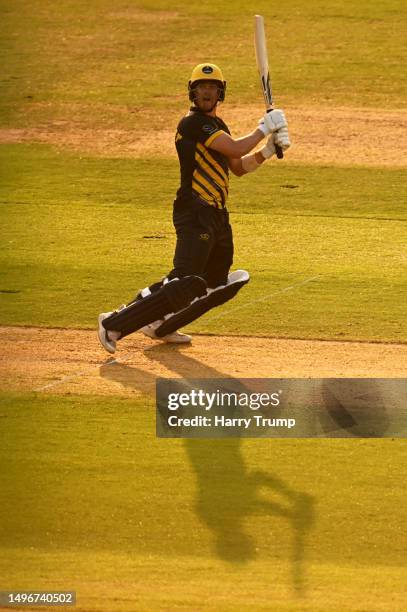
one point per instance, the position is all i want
(207, 72)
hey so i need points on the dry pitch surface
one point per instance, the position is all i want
(71, 361)
(334, 136)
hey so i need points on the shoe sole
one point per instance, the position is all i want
(102, 336)
(179, 341)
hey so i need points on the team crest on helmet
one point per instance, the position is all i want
(207, 69)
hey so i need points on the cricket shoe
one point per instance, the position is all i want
(174, 338)
(103, 335)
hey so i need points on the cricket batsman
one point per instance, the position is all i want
(201, 277)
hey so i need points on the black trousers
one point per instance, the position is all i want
(204, 242)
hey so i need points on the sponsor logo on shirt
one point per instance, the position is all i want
(209, 129)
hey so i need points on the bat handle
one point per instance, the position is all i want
(279, 152)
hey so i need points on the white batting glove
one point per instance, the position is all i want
(269, 148)
(282, 138)
(272, 121)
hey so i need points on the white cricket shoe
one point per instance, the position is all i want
(177, 338)
(105, 341)
(174, 338)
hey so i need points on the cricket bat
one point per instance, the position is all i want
(263, 67)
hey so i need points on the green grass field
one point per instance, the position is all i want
(90, 499)
(97, 245)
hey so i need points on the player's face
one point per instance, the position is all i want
(206, 95)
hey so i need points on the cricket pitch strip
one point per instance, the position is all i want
(70, 361)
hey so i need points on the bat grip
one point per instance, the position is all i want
(279, 152)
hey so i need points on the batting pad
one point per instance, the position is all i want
(172, 297)
(213, 297)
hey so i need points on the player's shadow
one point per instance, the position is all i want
(229, 492)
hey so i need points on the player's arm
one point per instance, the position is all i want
(236, 165)
(272, 122)
(252, 161)
(236, 148)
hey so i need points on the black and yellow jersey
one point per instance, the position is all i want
(204, 172)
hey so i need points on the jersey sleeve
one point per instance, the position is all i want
(199, 128)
